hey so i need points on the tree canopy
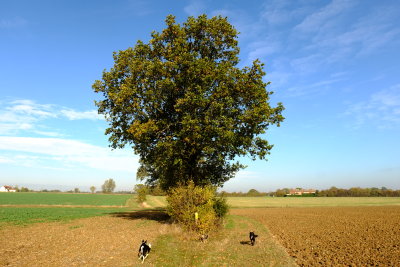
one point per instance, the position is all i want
(184, 106)
(108, 186)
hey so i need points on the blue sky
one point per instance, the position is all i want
(334, 64)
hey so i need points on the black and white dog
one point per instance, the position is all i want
(144, 250)
(253, 238)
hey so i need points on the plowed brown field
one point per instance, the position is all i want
(97, 241)
(335, 236)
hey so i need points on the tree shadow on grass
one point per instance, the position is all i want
(158, 215)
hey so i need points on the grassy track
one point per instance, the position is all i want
(63, 199)
(230, 247)
(25, 216)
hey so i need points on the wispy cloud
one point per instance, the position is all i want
(336, 36)
(382, 109)
(15, 22)
(27, 115)
(315, 88)
(262, 49)
(40, 152)
(81, 115)
(195, 8)
(140, 7)
(323, 17)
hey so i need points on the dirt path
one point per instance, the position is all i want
(97, 241)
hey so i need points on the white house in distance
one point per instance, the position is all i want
(6, 188)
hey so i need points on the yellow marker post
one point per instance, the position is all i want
(196, 216)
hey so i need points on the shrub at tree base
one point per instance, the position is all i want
(221, 207)
(185, 201)
(141, 192)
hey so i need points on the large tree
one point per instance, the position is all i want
(184, 106)
(108, 186)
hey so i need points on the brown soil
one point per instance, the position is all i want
(335, 236)
(97, 241)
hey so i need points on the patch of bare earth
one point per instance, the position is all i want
(98, 241)
(335, 236)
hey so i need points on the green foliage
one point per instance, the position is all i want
(24, 189)
(108, 186)
(221, 207)
(340, 192)
(359, 192)
(184, 106)
(282, 192)
(92, 189)
(141, 192)
(156, 190)
(185, 201)
(76, 190)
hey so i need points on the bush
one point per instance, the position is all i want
(184, 201)
(221, 207)
(141, 191)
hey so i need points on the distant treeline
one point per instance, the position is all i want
(250, 193)
(351, 192)
(331, 192)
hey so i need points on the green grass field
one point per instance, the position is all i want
(63, 199)
(24, 216)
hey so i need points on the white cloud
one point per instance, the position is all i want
(322, 17)
(27, 115)
(261, 49)
(28, 107)
(382, 109)
(277, 12)
(76, 115)
(195, 8)
(39, 152)
(5, 160)
(335, 39)
(15, 22)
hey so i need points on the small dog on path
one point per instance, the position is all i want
(253, 238)
(144, 250)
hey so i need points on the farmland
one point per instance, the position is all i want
(25, 216)
(332, 236)
(63, 199)
(94, 230)
(283, 202)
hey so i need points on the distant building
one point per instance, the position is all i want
(299, 192)
(6, 188)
